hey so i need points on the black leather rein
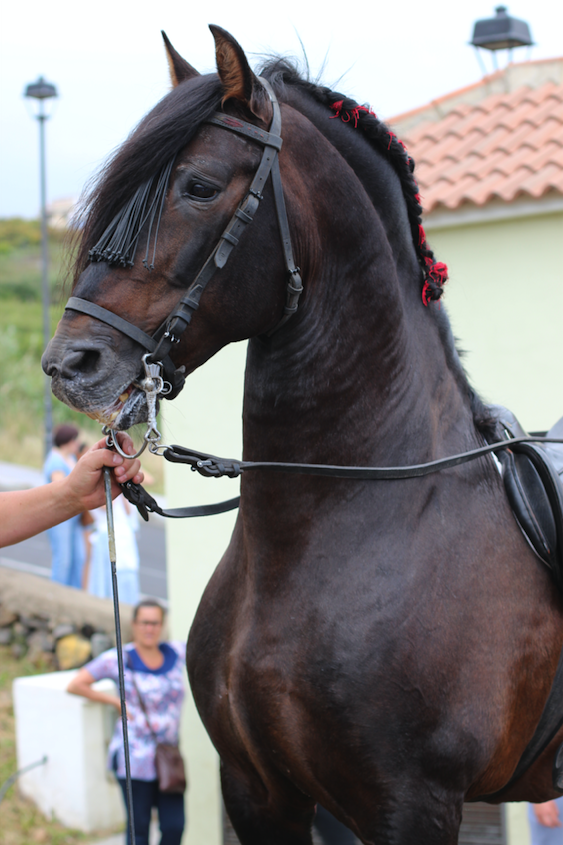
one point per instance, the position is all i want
(211, 466)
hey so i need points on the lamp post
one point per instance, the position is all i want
(502, 32)
(40, 92)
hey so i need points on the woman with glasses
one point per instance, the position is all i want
(154, 692)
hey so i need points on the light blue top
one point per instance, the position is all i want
(540, 835)
(55, 463)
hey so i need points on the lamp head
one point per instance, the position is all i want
(502, 32)
(40, 90)
(38, 94)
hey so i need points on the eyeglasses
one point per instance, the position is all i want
(146, 623)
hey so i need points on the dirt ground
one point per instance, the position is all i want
(21, 823)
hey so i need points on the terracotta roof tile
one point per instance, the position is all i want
(533, 136)
(503, 145)
(552, 107)
(483, 144)
(548, 178)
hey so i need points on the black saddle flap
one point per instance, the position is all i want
(535, 493)
(529, 501)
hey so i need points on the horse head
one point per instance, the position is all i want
(164, 202)
(149, 232)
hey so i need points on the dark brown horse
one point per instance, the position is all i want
(383, 648)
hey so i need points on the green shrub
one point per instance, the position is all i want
(16, 233)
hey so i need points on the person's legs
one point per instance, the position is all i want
(144, 798)
(128, 585)
(78, 553)
(99, 582)
(171, 817)
(542, 835)
(60, 539)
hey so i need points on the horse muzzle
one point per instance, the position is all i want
(89, 376)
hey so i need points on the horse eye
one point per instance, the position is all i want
(201, 191)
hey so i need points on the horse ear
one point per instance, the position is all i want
(238, 80)
(180, 69)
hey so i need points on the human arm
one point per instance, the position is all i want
(81, 684)
(28, 512)
(547, 814)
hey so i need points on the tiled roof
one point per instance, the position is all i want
(490, 144)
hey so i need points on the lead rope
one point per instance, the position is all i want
(121, 674)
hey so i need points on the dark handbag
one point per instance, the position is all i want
(169, 763)
(170, 768)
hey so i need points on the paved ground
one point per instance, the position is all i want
(119, 839)
(34, 555)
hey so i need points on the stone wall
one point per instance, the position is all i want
(61, 624)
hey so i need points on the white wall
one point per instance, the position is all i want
(517, 827)
(207, 417)
(74, 785)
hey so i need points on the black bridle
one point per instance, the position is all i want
(169, 333)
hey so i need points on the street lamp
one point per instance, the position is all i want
(40, 92)
(502, 32)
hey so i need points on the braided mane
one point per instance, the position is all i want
(280, 72)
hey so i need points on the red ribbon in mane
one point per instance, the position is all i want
(434, 271)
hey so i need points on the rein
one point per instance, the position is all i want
(211, 466)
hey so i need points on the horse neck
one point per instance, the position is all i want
(361, 374)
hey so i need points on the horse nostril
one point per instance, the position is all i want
(80, 362)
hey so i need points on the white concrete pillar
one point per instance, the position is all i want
(517, 826)
(74, 785)
(207, 417)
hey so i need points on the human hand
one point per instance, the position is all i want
(85, 484)
(547, 814)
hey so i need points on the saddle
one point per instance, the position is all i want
(533, 480)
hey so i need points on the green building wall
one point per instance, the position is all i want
(207, 416)
(505, 301)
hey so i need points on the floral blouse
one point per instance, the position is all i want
(162, 691)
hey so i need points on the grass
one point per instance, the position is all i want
(21, 822)
(21, 346)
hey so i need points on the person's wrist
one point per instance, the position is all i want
(66, 503)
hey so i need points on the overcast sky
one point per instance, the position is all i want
(107, 60)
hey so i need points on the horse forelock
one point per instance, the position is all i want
(157, 140)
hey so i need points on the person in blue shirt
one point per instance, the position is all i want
(545, 822)
(67, 538)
